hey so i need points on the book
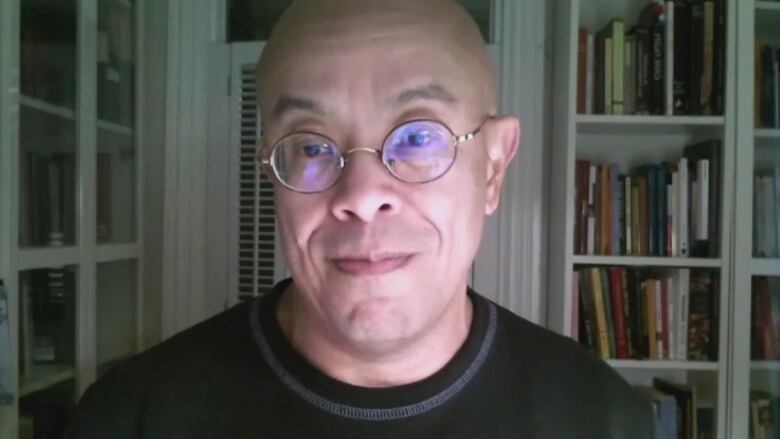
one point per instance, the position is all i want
(597, 292)
(708, 57)
(629, 75)
(700, 319)
(665, 408)
(590, 65)
(618, 312)
(582, 62)
(685, 397)
(617, 34)
(681, 58)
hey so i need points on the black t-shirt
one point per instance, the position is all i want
(236, 376)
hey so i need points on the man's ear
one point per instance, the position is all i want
(503, 139)
(262, 152)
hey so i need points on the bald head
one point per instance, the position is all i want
(437, 28)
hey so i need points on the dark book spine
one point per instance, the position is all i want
(700, 317)
(652, 208)
(598, 77)
(658, 92)
(682, 43)
(719, 69)
(643, 41)
(587, 314)
(608, 311)
(697, 56)
(622, 220)
(634, 313)
(616, 289)
(582, 56)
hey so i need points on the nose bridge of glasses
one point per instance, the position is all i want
(349, 152)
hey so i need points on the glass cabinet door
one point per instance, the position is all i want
(116, 155)
(764, 382)
(47, 135)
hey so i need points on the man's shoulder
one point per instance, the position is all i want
(562, 375)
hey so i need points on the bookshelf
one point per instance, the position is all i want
(756, 377)
(70, 190)
(630, 142)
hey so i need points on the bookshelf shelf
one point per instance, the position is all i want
(766, 133)
(114, 128)
(43, 377)
(645, 261)
(45, 107)
(116, 252)
(765, 365)
(33, 258)
(643, 125)
(663, 364)
(768, 6)
(765, 267)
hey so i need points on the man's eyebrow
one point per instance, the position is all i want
(433, 91)
(287, 103)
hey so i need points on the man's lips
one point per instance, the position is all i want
(367, 266)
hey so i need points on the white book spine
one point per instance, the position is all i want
(627, 184)
(590, 65)
(669, 61)
(659, 321)
(684, 210)
(684, 298)
(703, 193)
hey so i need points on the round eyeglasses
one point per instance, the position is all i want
(417, 151)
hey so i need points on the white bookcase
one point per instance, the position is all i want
(71, 198)
(758, 21)
(631, 141)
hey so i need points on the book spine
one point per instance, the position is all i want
(591, 232)
(618, 36)
(628, 219)
(616, 289)
(608, 53)
(660, 187)
(582, 52)
(629, 75)
(643, 215)
(697, 56)
(683, 294)
(658, 95)
(669, 321)
(643, 55)
(627, 313)
(601, 317)
(702, 184)
(587, 316)
(708, 64)
(650, 309)
(608, 311)
(575, 306)
(590, 63)
(669, 13)
(681, 58)
(683, 209)
(659, 319)
(652, 211)
(719, 45)
(674, 206)
(616, 201)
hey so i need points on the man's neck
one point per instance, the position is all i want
(406, 363)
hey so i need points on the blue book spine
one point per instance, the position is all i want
(668, 418)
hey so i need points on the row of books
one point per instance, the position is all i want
(679, 412)
(637, 313)
(764, 415)
(667, 209)
(767, 92)
(766, 213)
(627, 71)
(765, 319)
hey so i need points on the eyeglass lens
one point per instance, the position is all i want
(414, 152)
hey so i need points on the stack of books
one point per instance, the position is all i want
(765, 319)
(671, 61)
(666, 209)
(638, 313)
(764, 415)
(678, 411)
(766, 213)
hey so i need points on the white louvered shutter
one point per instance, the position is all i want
(256, 262)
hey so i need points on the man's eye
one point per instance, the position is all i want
(313, 150)
(417, 139)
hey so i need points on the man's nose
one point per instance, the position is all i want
(365, 188)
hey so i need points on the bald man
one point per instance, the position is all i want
(382, 138)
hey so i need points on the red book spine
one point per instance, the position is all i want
(616, 289)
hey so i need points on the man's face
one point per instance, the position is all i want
(378, 259)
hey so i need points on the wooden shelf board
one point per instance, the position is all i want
(663, 364)
(765, 267)
(765, 365)
(44, 376)
(652, 261)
